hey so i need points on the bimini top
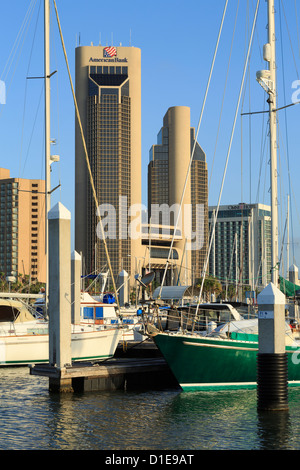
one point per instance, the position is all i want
(172, 292)
(14, 311)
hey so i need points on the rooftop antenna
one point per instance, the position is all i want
(79, 39)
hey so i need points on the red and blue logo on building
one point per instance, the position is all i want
(109, 51)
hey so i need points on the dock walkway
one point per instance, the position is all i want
(118, 373)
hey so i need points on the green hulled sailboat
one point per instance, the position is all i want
(227, 357)
(223, 359)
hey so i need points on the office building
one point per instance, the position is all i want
(108, 92)
(167, 177)
(22, 227)
(241, 247)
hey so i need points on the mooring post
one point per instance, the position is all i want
(272, 369)
(59, 293)
(75, 286)
(123, 292)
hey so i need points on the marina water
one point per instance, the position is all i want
(33, 419)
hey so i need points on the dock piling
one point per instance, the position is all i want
(59, 293)
(272, 369)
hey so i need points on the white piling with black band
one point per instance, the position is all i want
(272, 367)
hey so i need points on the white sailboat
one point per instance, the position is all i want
(24, 339)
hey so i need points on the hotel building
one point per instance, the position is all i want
(167, 172)
(108, 92)
(241, 247)
(22, 227)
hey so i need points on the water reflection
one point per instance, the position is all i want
(31, 418)
(274, 430)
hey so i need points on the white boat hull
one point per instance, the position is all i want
(32, 349)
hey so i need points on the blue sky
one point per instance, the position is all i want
(177, 41)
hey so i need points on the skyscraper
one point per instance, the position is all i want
(167, 178)
(108, 92)
(241, 246)
(22, 227)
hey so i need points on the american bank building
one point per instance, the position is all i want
(108, 93)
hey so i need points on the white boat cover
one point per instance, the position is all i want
(171, 292)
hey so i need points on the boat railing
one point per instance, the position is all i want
(113, 320)
(33, 310)
(205, 321)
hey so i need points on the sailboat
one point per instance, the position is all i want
(226, 358)
(24, 338)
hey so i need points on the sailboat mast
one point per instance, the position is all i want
(267, 79)
(47, 132)
(273, 141)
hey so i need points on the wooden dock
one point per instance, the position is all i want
(134, 366)
(112, 374)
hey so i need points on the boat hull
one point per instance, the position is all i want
(33, 349)
(202, 363)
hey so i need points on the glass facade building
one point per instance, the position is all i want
(167, 172)
(241, 247)
(108, 91)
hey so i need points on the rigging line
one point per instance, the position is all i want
(25, 34)
(282, 245)
(241, 159)
(194, 146)
(33, 127)
(290, 40)
(253, 112)
(87, 158)
(242, 106)
(250, 147)
(57, 100)
(229, 148)
(265, 191)
(25, 96)
(223, 98)
(295, 200)
(14, 48)
(285, 119)
(290, 182)
(8, 88)
(260, 49)
(263, 144)
(296, 15)
(279, 206)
